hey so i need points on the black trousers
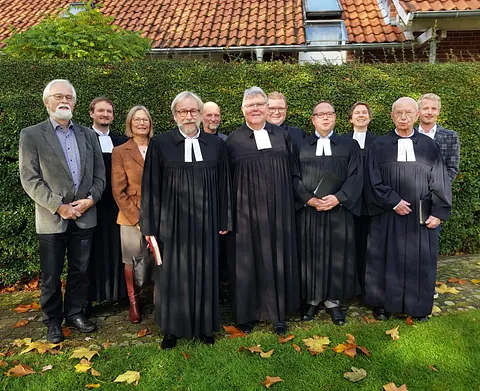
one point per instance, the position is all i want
(77, 243)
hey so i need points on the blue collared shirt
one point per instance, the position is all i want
(70, 149)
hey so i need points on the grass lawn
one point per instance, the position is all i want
(449, 343)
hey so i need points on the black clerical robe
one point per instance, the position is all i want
(262, 251)
(295, 133)
(326, 239)
(362, 222)
(401, 260)
(185, 205)
(105, 270)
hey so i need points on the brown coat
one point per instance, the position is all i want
(127, 170)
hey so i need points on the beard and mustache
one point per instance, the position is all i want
(62, 112)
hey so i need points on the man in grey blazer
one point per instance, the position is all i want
(446, 139)
(62, 170)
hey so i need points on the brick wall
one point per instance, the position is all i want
(458, 45)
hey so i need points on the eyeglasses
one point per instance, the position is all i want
(60, 97)
(408, 114)
(329, 114)
(255, 106)
(183, 113)
(281, 110)
(138, 120)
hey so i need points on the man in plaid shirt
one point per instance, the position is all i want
(446, 139)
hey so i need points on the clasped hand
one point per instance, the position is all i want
(75, 209)
(323, 204)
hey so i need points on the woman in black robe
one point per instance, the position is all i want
(360, 117)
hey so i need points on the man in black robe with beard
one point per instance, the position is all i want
(186, 205)
(105, 270)
(401, 263)
(325, 224)
(261, 251)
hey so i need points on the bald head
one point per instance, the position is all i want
(404, 115)
(211, 117)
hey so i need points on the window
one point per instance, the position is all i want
(75, 8)
(323, 9)
(331, 33)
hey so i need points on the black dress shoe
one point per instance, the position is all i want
(81, 324)
(54, 333)
(379, 313)
(207, 340)
(338, 317)
(311, 312)
(421, 318)
(245, 327)
(280, 328)
(169, 342)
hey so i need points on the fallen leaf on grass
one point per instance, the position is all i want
(392, 387)
(83, 367)
(433, 368)
(234, 332)
(91, 385)
(266, 354)
(107, 344)
(457, 280)
(409, 321)
(67, 331)
(185, 355)
(316, 344)
(370, 320)
(84, 352)
(47, 368)
(20, 370)
(270, 380)
(20, 323)
(41, 347)
(94, 372)
(436, 309)
(350, 348)
(283, 339)
(445, 289)
(20, 342)
(20, 309)
(297, 348)
(393, 333)
(143, 333)
(3, 364)
(128, 377)
(476, 282)
(355, 376)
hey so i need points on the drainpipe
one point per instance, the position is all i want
(259, 54)
(432, 56)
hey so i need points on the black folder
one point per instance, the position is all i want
(328, 184)
(424, 210)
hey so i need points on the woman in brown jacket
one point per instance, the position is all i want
(127, 170)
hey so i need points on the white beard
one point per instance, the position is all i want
(63, 114)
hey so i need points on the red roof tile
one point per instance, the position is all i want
(439, 5)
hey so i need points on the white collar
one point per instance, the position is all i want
(187, 137)
(100, 133)
(410, 135)
(253, 130)
(327, 136)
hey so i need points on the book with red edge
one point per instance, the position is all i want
(153, 246)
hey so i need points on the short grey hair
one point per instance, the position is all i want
(186, 94)
(430, 96)
(46, 91)
(405, 98)
(254, 91)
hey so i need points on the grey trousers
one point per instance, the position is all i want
(133, 243)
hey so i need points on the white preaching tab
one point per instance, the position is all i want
(192, 143)
(405, 151)
(106, 144)
(360, 137)
(323, 147)
(262, 139)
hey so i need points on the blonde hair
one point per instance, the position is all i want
(128, 122)
(430, 96)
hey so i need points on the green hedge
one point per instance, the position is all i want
(154, 83)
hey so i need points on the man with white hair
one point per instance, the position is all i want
(262, 251)
(186, 205)
(408, 194)
(62, 170)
